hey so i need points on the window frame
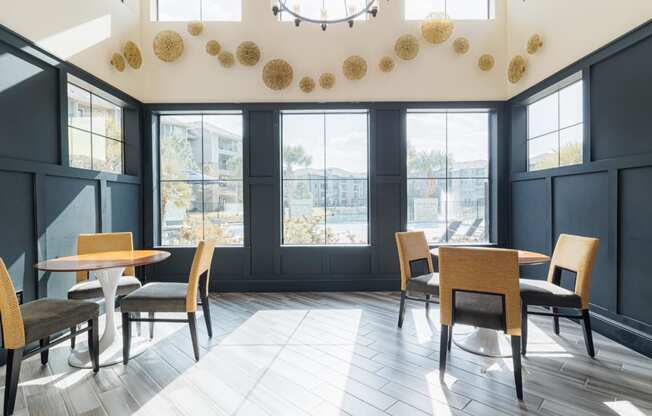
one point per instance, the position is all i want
(243, 180)
(201, 14)
(95, 92)
(297, 111)
(489, 202)
(555, 90)
(491, 14)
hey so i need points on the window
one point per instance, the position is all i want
(95, 138)
(201, 186)
(448, 175)
(205, 10)
(555, 129)
(337, 9)
(325, 178)
(454, 9)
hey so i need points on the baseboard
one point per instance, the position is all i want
(371, 285)
(630, 337)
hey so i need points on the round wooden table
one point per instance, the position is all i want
(487, 342)
(107, 267)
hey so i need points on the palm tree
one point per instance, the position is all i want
(295, 156)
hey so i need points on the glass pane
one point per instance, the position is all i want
(570, 145)
(303, 212)
(178, 10)
(181, 214)
(336, 9)
(223, 212)
(346, 212)
(542, 116)
(107, 118)
(223, 147)
(571, 105)
(420, 9)
(79, 107)
(467, 9)
(468, 145)
(79, 148)
(107, 154)
(180, 147)
(303, 146)
(467, 210)
(222, 10)
(346, 146)
(427, 207)
(426, 145)
(543, 152)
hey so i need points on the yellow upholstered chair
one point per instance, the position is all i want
(84, 288)
(172, 297)
(37, 321)
(574, 254)
(479, 287)
(417, 276)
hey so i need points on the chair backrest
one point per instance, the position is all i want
(13, 330)
(577, 254)
(201, 264)
(412, 246)
(483, 270)
(102, 242)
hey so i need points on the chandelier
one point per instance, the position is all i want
(351, 11)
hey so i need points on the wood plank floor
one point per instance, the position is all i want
(338, 354)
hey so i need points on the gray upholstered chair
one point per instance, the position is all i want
(84, 288)
(172, 297)
(37, 321)
(574, 254)
(417, 276)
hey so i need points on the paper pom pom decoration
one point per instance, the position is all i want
(227, 60)
(132, 54)
(354, 67)
(534, 44)
(517, 67)
(486, 62)
(461, 45)
(437, 29)
(277, 74)
(168, 45)
(248, 53)
(307, 84)
(213, 47)
(195, 28)
(118, 62)
(406, 47)
(327, 80)
(386, 64)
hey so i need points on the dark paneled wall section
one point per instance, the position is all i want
(609, 196)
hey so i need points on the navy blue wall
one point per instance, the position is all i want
(609, 195)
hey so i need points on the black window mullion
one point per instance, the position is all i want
(325, 187)
(446, 175)
(203, 183)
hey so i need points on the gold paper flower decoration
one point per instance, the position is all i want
(195, 28)
(118, 62)
(486, 62)
(437, 29)
(248, 53)
(534, 44)
(213, 47)
(354, 67)
(132, 54)
(461, 45)
(327, 80)
(406, 47)
(517, 67)
(277, 74)
(226, 58)
(386, 64)
(168, 45)
(307, 84)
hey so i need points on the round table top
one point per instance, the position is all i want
(524, 257)
(105, 260)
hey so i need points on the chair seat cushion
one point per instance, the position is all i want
(427, 283)
(479, 309)
(45, 317)
(91, 289)
(543, 293)
(156, 297)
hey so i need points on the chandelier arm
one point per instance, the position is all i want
(367, 9)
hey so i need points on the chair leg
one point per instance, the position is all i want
(450, 337)
(443, 349)
(401, 310)
(427, 304)
(126, 337)
(516, 357)
(588, 334)
(14, 360)
(192, 322)
(73, 329)
(151, 325)
(94, 343)
(45, 353)
(523, 327)
(556, 320)
(206, 306)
